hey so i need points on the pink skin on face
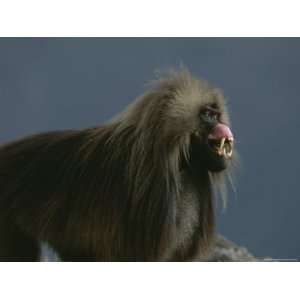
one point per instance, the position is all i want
(221, 131)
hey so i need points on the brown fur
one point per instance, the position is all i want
(124, 191)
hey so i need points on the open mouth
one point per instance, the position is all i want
(222, 147)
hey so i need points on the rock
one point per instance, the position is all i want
(225, 250)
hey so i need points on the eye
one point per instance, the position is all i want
(209, 115)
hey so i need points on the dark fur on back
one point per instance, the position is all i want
(124, 191)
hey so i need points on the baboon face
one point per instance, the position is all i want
(212, 144)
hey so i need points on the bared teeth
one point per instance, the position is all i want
(221, 148)
(230, 149)
(225, 148)
(222, 144)
(224, 151)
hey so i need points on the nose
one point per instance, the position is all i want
(221, 131)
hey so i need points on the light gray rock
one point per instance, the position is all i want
(226, 250)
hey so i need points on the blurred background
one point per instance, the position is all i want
(62, 83)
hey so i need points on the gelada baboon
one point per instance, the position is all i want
(139, 188)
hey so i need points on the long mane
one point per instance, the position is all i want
(146, 144)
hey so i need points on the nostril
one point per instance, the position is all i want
(221, 131)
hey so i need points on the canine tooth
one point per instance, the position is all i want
(224, 151)
(229, 150)
(222, 143)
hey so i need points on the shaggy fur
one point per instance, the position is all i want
(130, 190)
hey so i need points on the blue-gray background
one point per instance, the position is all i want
(50, 84)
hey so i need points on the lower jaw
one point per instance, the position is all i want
(203, 158)
(216, 167)
(216, 162)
